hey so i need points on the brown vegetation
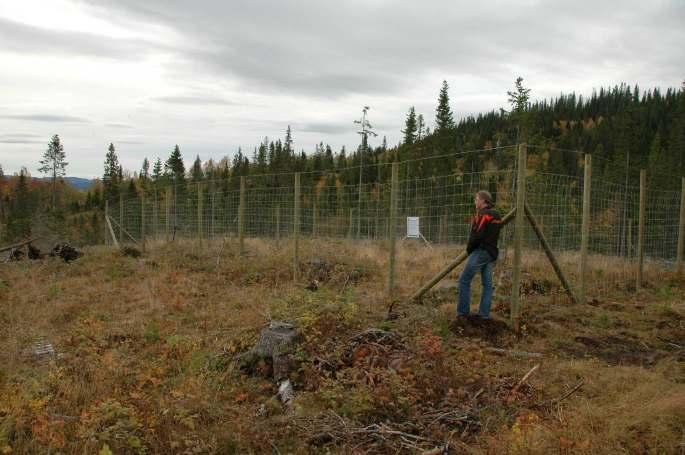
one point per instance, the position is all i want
(145, 348)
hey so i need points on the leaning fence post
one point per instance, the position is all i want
(105, 223)
(241, 217)
(681, 230)
(296, 229)
(585, 226)
(393, 230)
(519, 223)
(641, 230)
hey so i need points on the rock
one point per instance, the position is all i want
(16, 255)
(34, 252)
(286, 392)
(41, 351)
(65, 251)
(131, 252)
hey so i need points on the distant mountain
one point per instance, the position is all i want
(79, 183)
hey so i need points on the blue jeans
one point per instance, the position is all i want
(478, 261)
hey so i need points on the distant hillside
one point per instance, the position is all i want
(79, 183)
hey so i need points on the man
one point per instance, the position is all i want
(482, 251)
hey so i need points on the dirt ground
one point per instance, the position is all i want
(118, 354)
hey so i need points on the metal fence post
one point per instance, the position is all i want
(241, 217)
(393, 230)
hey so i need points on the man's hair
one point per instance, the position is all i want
(485, 196)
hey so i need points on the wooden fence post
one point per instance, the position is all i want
(392, 221)
(278, 222)
(349, 232)
(315, 217)
(681, 230)
(167, 212)
(241, 217)
(142, 220)
(641, 230)
(199, 214)
(519, 223)
(296, 230)
(629, 240)
(155, 216)
(121, 218)
(212, 232)
(585, 227)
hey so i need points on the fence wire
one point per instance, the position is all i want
(332, 211)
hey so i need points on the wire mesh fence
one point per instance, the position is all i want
(441, 204)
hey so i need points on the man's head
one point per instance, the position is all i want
(483, 200)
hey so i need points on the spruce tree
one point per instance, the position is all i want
(196, 171)
(410, 127)
(53, 164)
(111, 176)
(19, 218)
(519, 101)
(443, 113)
(288, 145)
(175, 167)
(420, 125)
(157, 170)
(145, 171)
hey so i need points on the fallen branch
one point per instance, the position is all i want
(520, 383)
(513, 352)
(555, 401)
(17, 245)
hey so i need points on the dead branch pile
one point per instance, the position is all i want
(329, 428)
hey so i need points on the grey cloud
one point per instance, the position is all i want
(324, 127)
(27, 39)
(192, 100)
(118, 125)
(22, 138)
(126, 141)
(331, 50)
(47, 118)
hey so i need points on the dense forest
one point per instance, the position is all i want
(624, 127)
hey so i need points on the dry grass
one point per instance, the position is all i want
(145, 350)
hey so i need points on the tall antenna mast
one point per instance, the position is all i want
(365, 131)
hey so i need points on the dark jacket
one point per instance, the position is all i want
(485, 232)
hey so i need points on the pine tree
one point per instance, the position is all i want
(53, 164)
(443, 113)
(175, 167)
(410, 127)
(111, 177)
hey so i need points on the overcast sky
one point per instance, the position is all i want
(215, 75)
